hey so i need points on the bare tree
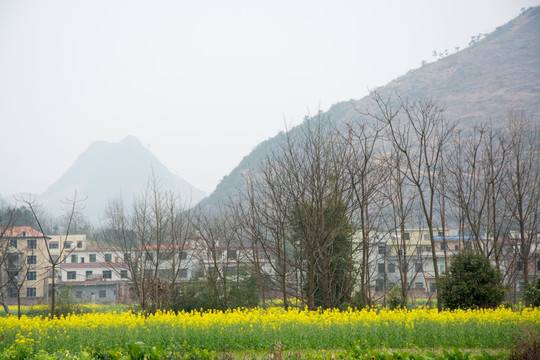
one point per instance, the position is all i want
(260, 213)
(522, 184)
(152, 238)
(366, 176)
(8, 218)
(418, 130)
(217, 252)
(52, 260)
(301, 206)
(73, 206)
(401, 199)
(476, 172)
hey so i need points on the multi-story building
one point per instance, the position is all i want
(231, 260)
(393, 259)
(23, 265)
(95, 275)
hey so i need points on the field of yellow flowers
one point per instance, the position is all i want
(261, 329)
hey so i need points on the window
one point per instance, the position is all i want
(102, 294)
(428, 249)
(108, 257)
(231, 254)
(127, 257)
(230, 270)
(183, 255)
(74, 258)
(31, 275)
(468, 245)
(123, 274)
(31, 259)
(71, 275)
(443, 245)
(418, 267)
(88, 273)
(419, 285)
(13, 276)
(382, 249)
(418, 250)
(380, 267)
(13, 292)
(538, 265)
(13, 261)
(31, 292)
(92, 258)
(164, 255)
(13, 243)
(379, 284)
(164, 274)
(79, 244)
(107, 274)
(440, 233)
(31, 244)
(519, 265)
(183, 273)
(149, 256)
(68, 244)
(432, 287)
(213, 253)
(391, 268)
(407, 236)
(456, 247)
(53, 245)
(82, 260)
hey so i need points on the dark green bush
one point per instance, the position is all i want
(471, 282)
(532, 293)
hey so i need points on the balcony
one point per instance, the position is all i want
(94, 277)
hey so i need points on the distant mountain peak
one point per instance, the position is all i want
(105, 171)
(131, 140)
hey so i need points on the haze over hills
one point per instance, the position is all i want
(478, 84)
(109, 170)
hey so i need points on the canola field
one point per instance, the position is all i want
(260, 329)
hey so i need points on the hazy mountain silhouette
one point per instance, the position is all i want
(480, 83)
(110, 170)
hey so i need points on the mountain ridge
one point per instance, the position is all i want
(480, 83)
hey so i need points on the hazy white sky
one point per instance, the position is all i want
(200, 83)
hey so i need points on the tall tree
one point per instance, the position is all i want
(418, 130)
(366, 178)
(300, 200)
(522, 184)
(72, 209)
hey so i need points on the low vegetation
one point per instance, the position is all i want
(372, 332)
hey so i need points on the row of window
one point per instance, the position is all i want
(383, 250)
(164, 255)
(32, 244)
(102, 294)
(379, 285)
(418, 267)
(106, 274)
(31, 292)
(92, 258)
